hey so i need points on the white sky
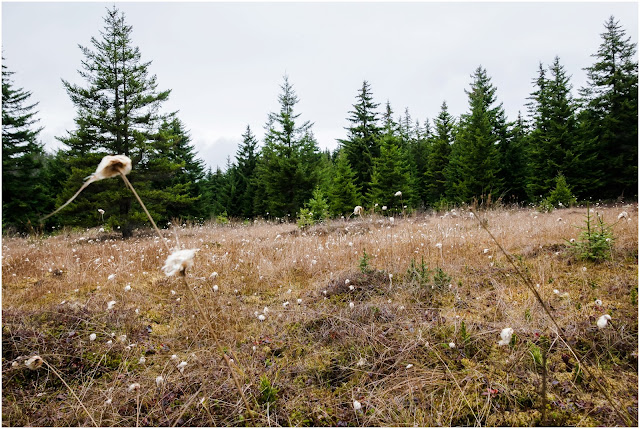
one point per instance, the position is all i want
(224, 62)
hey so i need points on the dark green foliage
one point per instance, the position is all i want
(343, 194)
(287, 170)
(611, 113)
(513, 162)
(561, 194)
(390, 175)
(553, 145)
(474, 169)
(441, 279)
(419, 273)
(118, 113)
(361, 146)
(438, 159)
(596, 240)
(364, 263)
(246, 161)
(24, 189)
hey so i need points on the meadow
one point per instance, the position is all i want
(369, 321)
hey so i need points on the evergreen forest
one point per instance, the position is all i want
(562, 148)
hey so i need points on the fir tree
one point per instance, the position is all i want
(611, 112)
(435, 179)
(474, 169)
(118, 112)
(24, 193)
(290, 156)
(553, 142)
(361, 145)
(513, 162)
(246, 161)
(390, 175)
(183, 171)
(343, 193)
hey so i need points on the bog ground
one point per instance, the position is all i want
(366, 322)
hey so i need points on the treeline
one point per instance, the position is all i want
(562, 148)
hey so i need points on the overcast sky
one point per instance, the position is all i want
(224, 62)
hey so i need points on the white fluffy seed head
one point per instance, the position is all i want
(159, 380)
(111, 166)
(179, 261)
(357, 405)
(505, 336)
(92, 337)
(34, 362)
(134, 387)
(110, 305)
(602, 321)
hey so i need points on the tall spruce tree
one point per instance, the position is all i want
(553, 144)
(246, 161)
(118, 112)
(24, 193)
(361, 145)
(513, 162)
(610, 115)
(390, 175)
(288, 166)
(173, 168)
(434, 176)
(343, 193)
(474, 169)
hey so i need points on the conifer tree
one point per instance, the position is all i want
(434, 176)
(610, 115)
(474, 169)
(246, 161)
(390, 175)
(361, 145)
(24, 193)
(175, 155)
(343, 193)
(290, 156)
(118, 112)
(553, 141)
(513, 162)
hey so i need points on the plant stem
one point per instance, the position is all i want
(51, 367)
(124, 177)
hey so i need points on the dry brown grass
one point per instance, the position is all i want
(390, 352)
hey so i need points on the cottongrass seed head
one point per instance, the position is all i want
(34, 362)
(602, 321)
(505, 336)
(179, 261)
(111, 166)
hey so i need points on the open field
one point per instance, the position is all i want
(427, 281)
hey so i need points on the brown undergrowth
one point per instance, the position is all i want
(427, 281)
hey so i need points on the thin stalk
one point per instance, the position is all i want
(51, 367)
(560, 332)
(126, 181)
(224, 355)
